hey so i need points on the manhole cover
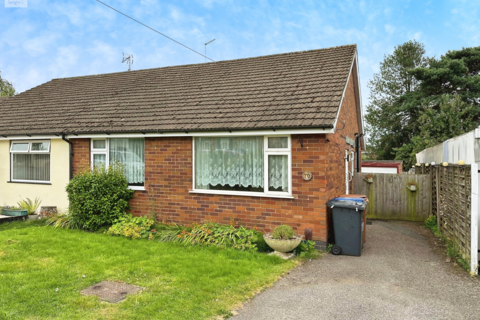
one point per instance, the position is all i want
(111, 291)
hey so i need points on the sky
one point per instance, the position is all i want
(55, 39)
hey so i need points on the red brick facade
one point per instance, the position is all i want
(81, 154)
(168, 182)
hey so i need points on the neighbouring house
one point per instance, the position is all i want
(265, 140)
(382, 166)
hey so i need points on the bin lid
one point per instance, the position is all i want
(353, 199)
(348, 203)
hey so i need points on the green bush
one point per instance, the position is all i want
(133, 227)
(307, 250)
(431, 223)
(98, 197)
(213, 234)
(262, 246)
(282, 232)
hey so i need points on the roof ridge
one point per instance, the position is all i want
(209, 63)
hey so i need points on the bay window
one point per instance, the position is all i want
(254, 165)
(30, 161)
(129, 152)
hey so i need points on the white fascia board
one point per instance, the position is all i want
(178, 134)
(360, 95)
(205, 134)
(52, 137)
(344, 90)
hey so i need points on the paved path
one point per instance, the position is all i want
(402, 274)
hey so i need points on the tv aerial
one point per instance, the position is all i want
(128, 59)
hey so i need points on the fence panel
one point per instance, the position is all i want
(390, 197)
(454, 206)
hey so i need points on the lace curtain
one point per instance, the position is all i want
(130, 153)
(278, 173)
(229, 162)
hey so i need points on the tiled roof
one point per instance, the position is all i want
(291, 90)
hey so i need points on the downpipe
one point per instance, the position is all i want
(346, 171)
(71, 155)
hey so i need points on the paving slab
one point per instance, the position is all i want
(402, 274)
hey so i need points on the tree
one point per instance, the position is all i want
(6, 88)
(391, 124)
(448, 100)
(452, 117)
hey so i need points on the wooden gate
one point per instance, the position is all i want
(390, 197)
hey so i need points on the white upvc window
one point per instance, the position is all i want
(130, 152)
(249, 165)
(30, 161)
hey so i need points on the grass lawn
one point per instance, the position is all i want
(181, 282)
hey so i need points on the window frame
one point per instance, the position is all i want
(106, 152)
(30, 151)
(266, 153)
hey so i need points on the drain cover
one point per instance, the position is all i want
(111, 291)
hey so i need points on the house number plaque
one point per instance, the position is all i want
(307, 175)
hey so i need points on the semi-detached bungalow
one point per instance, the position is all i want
(265, 140)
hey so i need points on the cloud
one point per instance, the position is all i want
(389, 29)
(70, 10)
(40, 45)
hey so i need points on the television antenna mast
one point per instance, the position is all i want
(206, 48)
(129, 60)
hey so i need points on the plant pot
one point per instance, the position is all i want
(33, 216)
(412, 188)
(282, 246)
(14, 212)
(369, 180)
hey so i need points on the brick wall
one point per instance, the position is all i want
(168, 180)
(81, 154)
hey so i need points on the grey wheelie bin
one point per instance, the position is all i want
(347, 225)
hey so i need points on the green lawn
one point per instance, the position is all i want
(181, 282)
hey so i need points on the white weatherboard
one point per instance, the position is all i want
(379, 170)
(474, 223)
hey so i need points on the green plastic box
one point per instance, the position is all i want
(14, 213)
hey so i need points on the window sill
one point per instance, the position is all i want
(135, 188)
(30, 182)
(244, 194)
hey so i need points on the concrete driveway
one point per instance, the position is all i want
(402, 274)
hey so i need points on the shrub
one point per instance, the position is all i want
(262, 246)
(29, 205)
(133, 227)
(213, 234)
(282, 232)
(431, 223)
(98, 197)
(64, 221)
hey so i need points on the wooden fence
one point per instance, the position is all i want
(452, 203)
(389, 197)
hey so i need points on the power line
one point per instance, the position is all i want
(156, 31)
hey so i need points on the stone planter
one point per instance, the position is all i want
(14, 212)
(281, 247)
(33, 216)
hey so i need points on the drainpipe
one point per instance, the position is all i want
(357, 150)
(71, 154)
(346, 171)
